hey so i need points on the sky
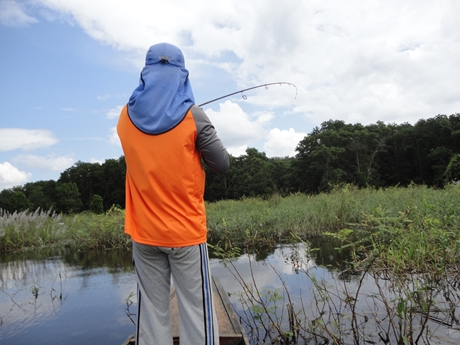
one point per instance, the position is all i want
(67, 67)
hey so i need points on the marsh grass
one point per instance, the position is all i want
(403, 241)
(359, 306)
(277, 219)
(254, 220)
(39, 229)
(400, 283)
(90, 230)
(30, 229)
(412, 264)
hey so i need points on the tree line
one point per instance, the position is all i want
(377, 155)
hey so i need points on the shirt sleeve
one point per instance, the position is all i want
(208, 143)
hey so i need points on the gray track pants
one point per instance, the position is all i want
(189, 268)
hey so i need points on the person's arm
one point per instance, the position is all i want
(208, 143)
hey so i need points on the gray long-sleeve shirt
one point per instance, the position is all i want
(208, 143)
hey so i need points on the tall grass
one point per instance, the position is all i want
(400, 284)
(249, 220)
(406, 241)
(253, 219)
(89, 230)
(26, 230)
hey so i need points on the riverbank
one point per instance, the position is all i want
(395, 253)
(347, 212)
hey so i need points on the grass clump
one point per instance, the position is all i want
(90, 230)
(253, 220)
(30, 229)
(27, 230)
(398, 282)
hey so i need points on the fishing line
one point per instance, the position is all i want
(252, 88)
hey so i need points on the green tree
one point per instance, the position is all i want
(397, 161)
(281, 169)
(439, 159)
(321, 159)
(67, 198)
(114, 174)
(453, 169)
(250, 175)
(97, 204)
(454, 121)
(18, 202)
(366, 145)
(5, 197)
(40, 194)
(216, 184)
(431, 135)
(89, 179)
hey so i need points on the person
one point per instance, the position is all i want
(165, 137)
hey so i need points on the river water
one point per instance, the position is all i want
(69, 296)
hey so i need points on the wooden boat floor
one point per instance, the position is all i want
(230, 330)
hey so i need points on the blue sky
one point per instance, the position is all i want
(68, 66)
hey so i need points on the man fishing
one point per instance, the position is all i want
(165, 136)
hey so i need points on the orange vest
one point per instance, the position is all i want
(164, 185)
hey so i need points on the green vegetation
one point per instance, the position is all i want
(373, 156)
(402, 243)
(255, 220)
(398, 285)
(414, 210)
(27, 230)
(83, 187)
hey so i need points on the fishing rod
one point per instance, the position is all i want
(252, 88)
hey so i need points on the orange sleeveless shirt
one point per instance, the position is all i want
(165, 184)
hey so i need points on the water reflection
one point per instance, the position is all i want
(79, 296)
(66, 295)
(53, 296)
(290, 296)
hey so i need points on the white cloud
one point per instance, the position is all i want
(235, 128)
(104, 97)
(237, 151)
(282, 143)
(114, 139)
(25, 139)
(11, 176)
(49, 163)
(361, 61)
(12, 14)
(114, 113)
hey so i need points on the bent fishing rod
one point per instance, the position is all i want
(251, 88)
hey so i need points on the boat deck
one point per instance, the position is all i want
(230, 330)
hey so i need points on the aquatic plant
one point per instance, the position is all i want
(398, 284)
(252, 220)
(90, 230)
(26, 229)
(249, 221)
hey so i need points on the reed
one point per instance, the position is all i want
(398, 285)
(250, 220)
(90, 230)
(30, 229)
(27, 230)
(278, 218)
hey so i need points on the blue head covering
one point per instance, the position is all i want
(164, 94)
